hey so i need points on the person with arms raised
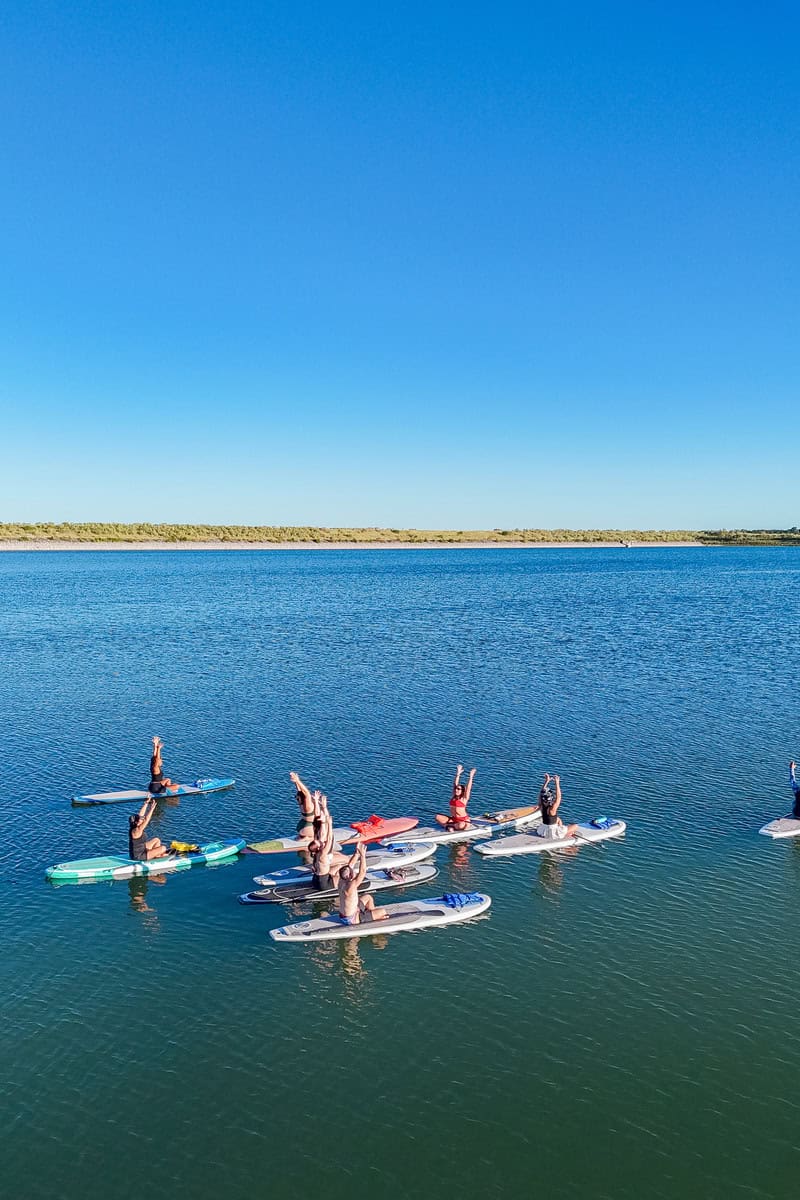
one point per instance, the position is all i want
(141, 848)
(458, 817)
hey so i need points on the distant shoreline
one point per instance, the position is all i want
(41, 544)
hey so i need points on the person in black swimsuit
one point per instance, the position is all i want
(308, 807)
(158, 785)
(140, 847)
(549, 803)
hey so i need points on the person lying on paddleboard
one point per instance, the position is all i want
(354, 908)
(158, 785)
(308, 810)
(141, 848)
(459, 817)
(326, 862)
(795, 789)
(549, 803)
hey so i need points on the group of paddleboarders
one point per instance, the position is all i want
(330, 867)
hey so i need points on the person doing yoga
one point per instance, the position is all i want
(458, 817)
(141, 848)
(159, 785)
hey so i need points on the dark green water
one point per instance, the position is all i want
(624, 1022)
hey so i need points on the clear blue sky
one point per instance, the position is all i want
(441, 265)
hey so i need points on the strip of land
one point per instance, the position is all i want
(144, 536)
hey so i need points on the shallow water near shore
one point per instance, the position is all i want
(623, 1022)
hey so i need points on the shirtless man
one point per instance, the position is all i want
(158, 785)
(549, 802)
(458, 817)
(141, 848)
(355, 909)
(326, 863)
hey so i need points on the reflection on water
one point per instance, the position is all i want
(138, 888)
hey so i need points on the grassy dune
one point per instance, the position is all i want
(94, 532)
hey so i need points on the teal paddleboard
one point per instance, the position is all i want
(114, 866)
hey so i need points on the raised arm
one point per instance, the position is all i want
(361, 865)
(301, 787)
(557, 805)
(468, 788)
(457, 779)
(792, 779)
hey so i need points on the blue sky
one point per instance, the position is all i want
(426, 265)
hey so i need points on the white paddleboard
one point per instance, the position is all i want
(375, 881)
(484, 826)
(399, 855)
(400, 918)
(535, 843)
(135, 796)
(784, 827)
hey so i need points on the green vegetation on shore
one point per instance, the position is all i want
(287, 534)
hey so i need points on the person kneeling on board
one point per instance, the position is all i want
(549, 803)
(459, 817)
(158, 785)
(796, 790)
(141, 848)
(355, 909)
(326, 862)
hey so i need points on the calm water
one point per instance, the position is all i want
(623, 1024)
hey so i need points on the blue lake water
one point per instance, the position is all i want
(623, 1024)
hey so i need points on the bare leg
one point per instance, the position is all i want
(440, 820)
(368, 911)
(155, 848)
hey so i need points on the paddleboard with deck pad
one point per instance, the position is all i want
(119, 867)
(372, 830)
(784, 827)
(381, 858)
(483, 826)
(375, 881)
(133, 796)
(400, 918)
(537, 843)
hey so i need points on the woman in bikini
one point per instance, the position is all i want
(458, 817)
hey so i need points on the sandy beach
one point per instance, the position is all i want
(39, 544)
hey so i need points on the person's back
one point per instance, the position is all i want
(137, 842)
(552, 825)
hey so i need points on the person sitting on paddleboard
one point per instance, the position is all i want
(308, 810)
(158, 785)
(326, 862)
(141, 848)
(354, 908)
(459, 817)
(549, 803)
(796, 790)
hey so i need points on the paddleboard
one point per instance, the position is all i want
(784, 827)
(483, 826)
(375, 881)
(118, 867)
(372, 830)
(400, 918)
(399, 855)
(132, 796)
(534, 843)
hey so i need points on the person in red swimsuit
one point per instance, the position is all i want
(458, 817)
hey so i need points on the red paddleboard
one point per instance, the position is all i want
(375, 828)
